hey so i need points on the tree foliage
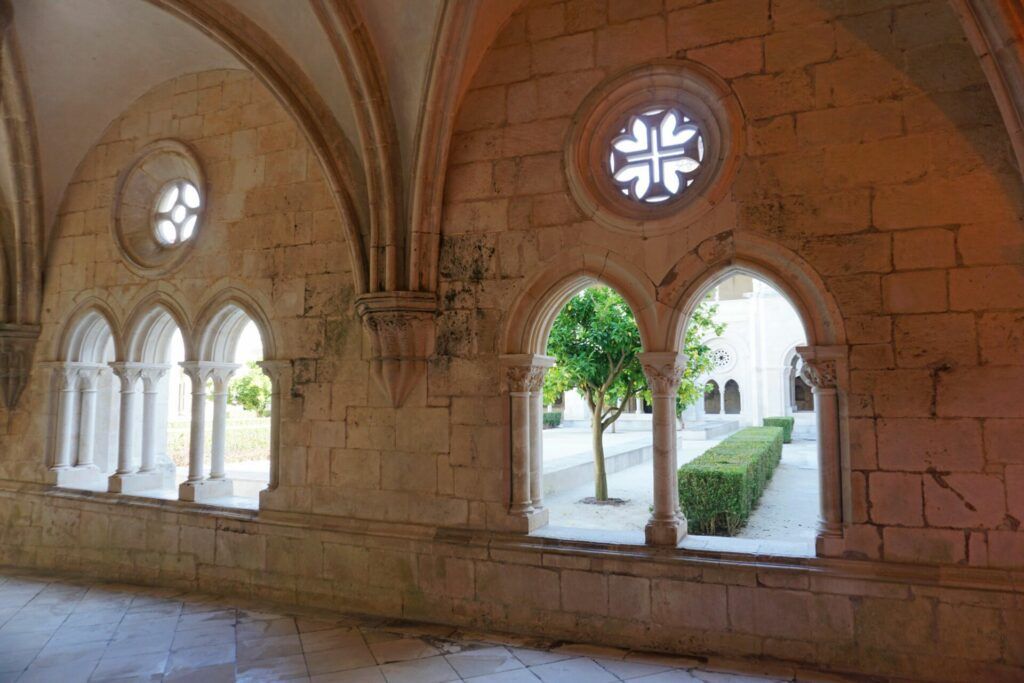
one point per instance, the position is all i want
(251, 390)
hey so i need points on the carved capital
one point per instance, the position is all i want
(17, 343)
(277, 370)
(819, 374)
(524, 372)
(129, 374)
(664, 371)
(820, 365)
(152, 374)
(402, 332)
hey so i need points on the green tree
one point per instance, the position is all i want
(595, 342)
(251, 390)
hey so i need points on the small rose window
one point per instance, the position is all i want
(177, 212)
(657, 155)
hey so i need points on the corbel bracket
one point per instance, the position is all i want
(402, 333)
(17, 343)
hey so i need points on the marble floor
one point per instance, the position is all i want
(61, 631)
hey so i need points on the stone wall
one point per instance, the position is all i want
(874, 151)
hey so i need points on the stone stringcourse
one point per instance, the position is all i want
(719, 489)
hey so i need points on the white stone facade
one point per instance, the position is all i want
(757, 351)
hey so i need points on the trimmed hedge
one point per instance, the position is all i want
(552, 420)
(718, 490)
(785, 422)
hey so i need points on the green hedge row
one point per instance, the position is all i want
(718, 490)
(785, 422)
(552, 420)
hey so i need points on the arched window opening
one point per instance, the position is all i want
(231, 464)
(86, 411)
(752, 379)
(732, 398)
(712, 398)
(801, 396)
(597, 471)
(149, 384)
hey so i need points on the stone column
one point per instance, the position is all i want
(197, 487)
(67, 383)
(89, 380)
(197, 374)
(221, 376)
(279, 372)
(519, 378)
(151, 376)
(820, 371)
(536, 387)
(121, 481)
(664, 370)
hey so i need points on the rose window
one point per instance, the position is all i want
(657, 155)
(177, 211)
(721, 359)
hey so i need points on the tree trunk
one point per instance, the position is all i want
(597, 442)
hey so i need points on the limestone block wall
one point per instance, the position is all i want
(270, 233)
(873, 152)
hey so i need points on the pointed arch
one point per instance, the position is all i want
(90, 330)
(690, 279)
(544, 295)
(221, 321)
(151, 326)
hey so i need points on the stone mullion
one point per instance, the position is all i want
(221, 377)
(151, 377)
(536, 387)
(820, 371)
(279, 372)
(129, 378)
(89, 379)
(68, 398)
(664, 370)
(519, 416)
(197, 374)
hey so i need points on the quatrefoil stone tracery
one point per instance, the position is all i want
(656, 155)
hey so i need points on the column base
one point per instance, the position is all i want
(664, 533)
(133, 482)
(203, 491)
(829, 542)
(527, 522)
(77, 477)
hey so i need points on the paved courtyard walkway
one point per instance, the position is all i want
(62, 631)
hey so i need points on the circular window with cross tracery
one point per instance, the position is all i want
(654, 148)
(657, 155)
(159, 205)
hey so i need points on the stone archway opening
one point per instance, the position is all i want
(751, 381)
(596, 443)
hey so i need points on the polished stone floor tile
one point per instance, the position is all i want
(61, 631)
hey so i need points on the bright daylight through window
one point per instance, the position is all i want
(657, 155)
(177, 211)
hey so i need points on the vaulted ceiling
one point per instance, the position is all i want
(374, 84)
